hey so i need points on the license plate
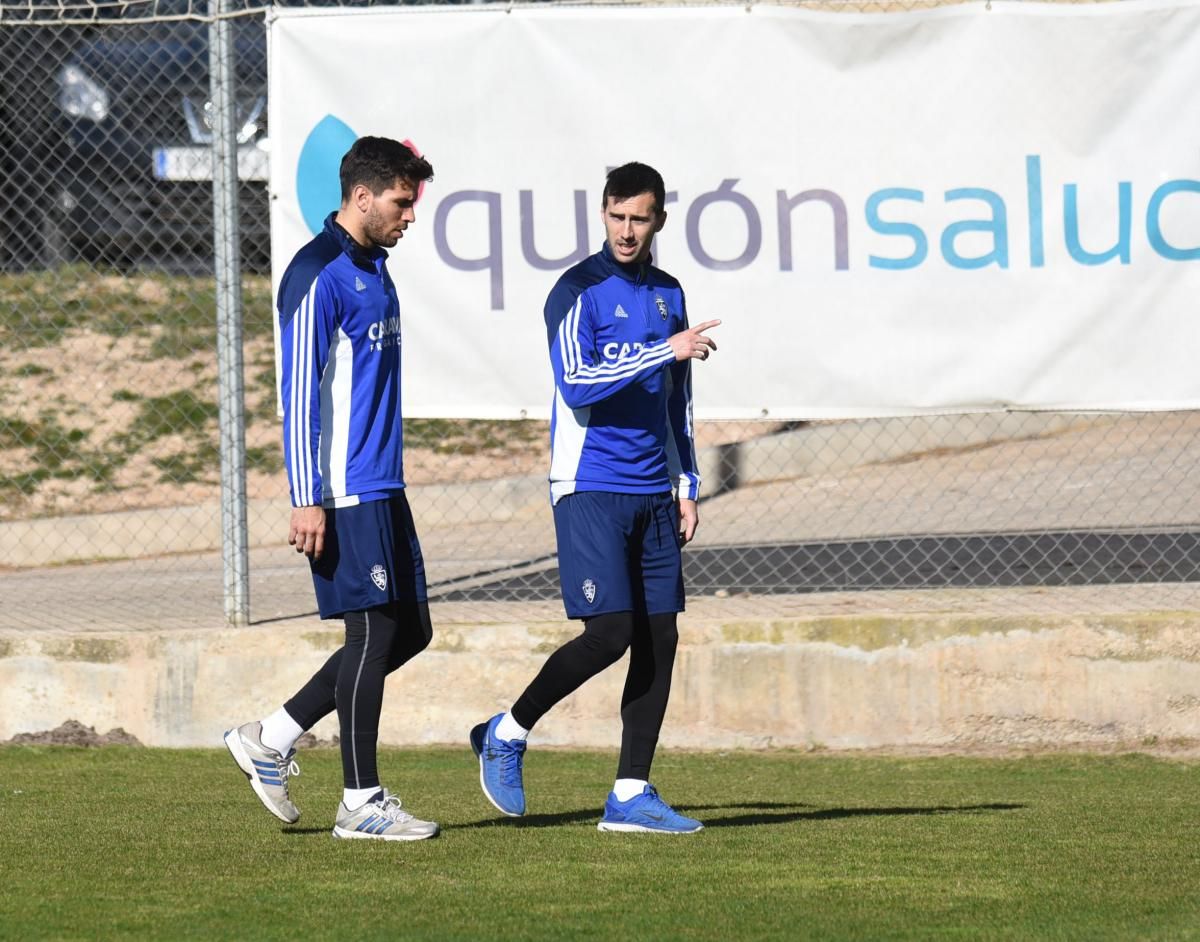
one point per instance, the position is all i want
(196, 163)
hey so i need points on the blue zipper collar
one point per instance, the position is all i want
(362, 257)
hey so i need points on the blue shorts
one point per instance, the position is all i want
(618, 553)
(371, 558)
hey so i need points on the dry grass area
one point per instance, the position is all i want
(96, 423)
(108, 401)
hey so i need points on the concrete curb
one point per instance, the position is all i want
(910, 680)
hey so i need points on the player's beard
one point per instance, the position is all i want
(377, 231)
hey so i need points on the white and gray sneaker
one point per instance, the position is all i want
(382, 818)
(267, 770)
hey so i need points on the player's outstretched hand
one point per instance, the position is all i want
(307, 531)
(691, 344)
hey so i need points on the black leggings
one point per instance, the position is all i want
(651, 640)
(378, 641)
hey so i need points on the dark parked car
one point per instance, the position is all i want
(104, 137)
(105, 151)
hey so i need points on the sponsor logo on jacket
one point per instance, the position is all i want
(384, 333)
(614, 351)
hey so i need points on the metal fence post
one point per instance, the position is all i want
(227, 261)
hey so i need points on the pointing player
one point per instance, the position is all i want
(621, 439)
(339, 324)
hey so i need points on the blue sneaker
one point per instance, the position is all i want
(500, 762)
(645, 812)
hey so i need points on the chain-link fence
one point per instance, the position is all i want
(110, 452)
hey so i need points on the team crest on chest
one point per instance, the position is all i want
(379, 577)
(589, 590)
(662, 307)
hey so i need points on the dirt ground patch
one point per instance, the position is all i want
(74, 733)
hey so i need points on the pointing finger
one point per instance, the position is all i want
(706, 325)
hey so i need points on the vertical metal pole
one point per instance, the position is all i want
(228, 264)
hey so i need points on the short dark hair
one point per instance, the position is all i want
(378, 162)
(634, 179)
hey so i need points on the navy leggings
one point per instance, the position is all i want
(651, 641)
(378, 641)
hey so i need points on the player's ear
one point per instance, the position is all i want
(361, 197)
(662, 221)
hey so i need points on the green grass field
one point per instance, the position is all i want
(160, 844)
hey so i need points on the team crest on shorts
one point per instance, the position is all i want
(589, 590)
(379, 577)
(662, 307)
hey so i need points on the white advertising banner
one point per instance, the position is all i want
(973, 208)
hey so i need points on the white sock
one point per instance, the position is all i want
(626, 788)
(354, 798)
(508, 728)
(280, 731)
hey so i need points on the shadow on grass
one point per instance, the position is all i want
(761, 812)
(532, 820)
(829, 814)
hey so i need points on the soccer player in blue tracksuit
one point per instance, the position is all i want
(339, 324)
(621, 440)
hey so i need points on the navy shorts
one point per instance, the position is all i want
(618, 553)
(371, 558)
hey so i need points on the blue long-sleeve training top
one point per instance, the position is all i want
(339, 322)
(622, 414)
